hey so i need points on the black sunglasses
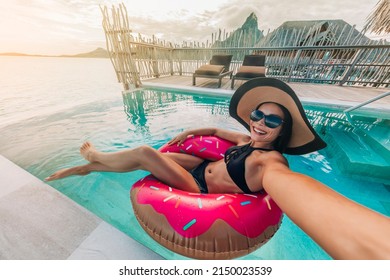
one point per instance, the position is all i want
(270, 121)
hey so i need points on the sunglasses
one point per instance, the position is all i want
(270, 121)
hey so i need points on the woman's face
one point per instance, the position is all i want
(262, 133)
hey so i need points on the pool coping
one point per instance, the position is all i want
(40, 223)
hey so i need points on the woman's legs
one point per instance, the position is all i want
(169, 168)
(126, 160)
(79, 170)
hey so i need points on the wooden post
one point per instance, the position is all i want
(296, 60)
(350, 68)
(155, 63)
(171, 61)
(118, 41)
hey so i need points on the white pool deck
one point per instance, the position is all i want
(39, 223)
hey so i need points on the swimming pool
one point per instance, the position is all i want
(46, 117)
(349, 165)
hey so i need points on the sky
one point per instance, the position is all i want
(56, 27)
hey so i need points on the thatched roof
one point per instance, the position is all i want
(379, 20)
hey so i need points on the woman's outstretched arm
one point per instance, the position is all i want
(343, 228)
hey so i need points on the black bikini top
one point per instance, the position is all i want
(235, 164)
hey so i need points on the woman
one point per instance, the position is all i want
(270, 125)
(208, 177)
(275, 118)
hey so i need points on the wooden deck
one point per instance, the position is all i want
(322, 93)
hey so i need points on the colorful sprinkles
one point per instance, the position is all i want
(177, 203)
(234, 211)
(267, 201)
(169, 198)
(245, 203)
(191, 223)
(200, 203)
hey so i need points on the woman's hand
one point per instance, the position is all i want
(179, 139)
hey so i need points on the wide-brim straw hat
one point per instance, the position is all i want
(251, 94)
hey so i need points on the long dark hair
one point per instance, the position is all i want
(281, 142)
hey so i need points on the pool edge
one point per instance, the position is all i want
(331, 103)
(42, 223)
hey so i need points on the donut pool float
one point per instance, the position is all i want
(204, 226)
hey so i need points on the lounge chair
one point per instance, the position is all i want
(218, 68)
(253, 66)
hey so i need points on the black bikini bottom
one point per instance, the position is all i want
(198, 174)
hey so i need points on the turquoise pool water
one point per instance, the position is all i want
(348, 165)
(44, 121)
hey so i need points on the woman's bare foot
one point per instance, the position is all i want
(78, 170)
(87, 150)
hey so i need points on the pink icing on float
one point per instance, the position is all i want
(204, 226)
(191, 214)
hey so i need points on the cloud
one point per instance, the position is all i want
(230, 15)
(50, 27)
(72, 26)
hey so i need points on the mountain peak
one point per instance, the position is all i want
(246, 35)
(250, 22)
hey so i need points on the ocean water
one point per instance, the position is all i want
(39, 98)
(50, 106)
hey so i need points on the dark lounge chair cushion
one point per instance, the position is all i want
(213, 70)
(254, 60)
(251, 71)
(221, 59)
